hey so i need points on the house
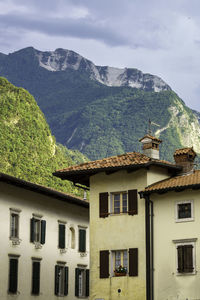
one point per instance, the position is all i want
(173, 215)
(44, 242)
(119, 225)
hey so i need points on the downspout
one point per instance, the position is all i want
(152, 251)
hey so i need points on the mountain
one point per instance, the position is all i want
(28, 150)
(101, 111)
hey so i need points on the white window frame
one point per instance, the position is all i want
(112, 261)
(111, 202)
(184, 219)
(15, 239)
(66, 228)
(185, 242)
(82, 284)
(61, 280)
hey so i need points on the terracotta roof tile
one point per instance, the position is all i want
(177, 182)
(150, 137)
(184, 151)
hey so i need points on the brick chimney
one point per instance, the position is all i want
(150, 146)
(185, 157)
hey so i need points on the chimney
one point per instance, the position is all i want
(185, 157)
(150, 146)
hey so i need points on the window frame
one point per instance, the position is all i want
(112, 203)
(62, 266)
(62, 249)
(37, 260)
(36, 218)
(15, 239)
(10, 278)
(83, 283)
(113, 262)
(82, 253)
(179, 220)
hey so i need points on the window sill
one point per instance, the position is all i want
(83, 254)
(62, 251)
(38, 245)
(15, 241)
(186, 274)
(184, 220)
(119, 274)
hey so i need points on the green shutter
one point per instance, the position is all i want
(32, 230)
(77, 273)
(56, 279)
(61, 242)
(13, 275)
(43, 231)
(82, 240)
(66, 281)
(36, 278)
(87, 282)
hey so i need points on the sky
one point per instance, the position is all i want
(155, 36)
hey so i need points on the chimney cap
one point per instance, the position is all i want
(188, 150)
(153, 138)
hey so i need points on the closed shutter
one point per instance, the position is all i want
(188, 259)
(132, 202)
(32, 237)
(56, 279)
(82, 240)
(180, 253)
(103, 205)
(133, 262)
(77, 273)
(87, 283)
(61, 242)
(13, 275)
(104, 264)
(66, 281)
(36, 278)
(43, 231)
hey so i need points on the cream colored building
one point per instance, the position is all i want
(44, 242)
(118, 228)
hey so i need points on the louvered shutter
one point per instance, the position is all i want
(56, 279)
(61, 242)
(104, 264)
(82, 240)
(77, 273)
(188, 258)
(32, 237)
(43, 231)
(13, 275)
(133, 262)
(87, 282)
(36, 278)
(180, 250)
(103, 205)
(66, 281)
(132, 202)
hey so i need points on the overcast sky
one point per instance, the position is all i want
(160, 37)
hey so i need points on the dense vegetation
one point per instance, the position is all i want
(28, 150)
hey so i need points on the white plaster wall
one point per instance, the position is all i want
(52, 211)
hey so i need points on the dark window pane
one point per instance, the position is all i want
(184, 211)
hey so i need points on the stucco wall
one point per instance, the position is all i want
(168, 285)
(52, 211)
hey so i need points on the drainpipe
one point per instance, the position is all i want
(152, 251)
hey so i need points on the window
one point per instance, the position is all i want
(184, 211)
(123, 262)
(81, 282)
(38, 230)
(61, 280)
(13, 274)
(36, 276)
(61, 235)
(82, 240)
(120, 202)
(186, 258)
(14, 225)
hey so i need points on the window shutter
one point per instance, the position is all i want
(77, 273)
(188, 259)
(36, 278)
(180, 250)
(66, 281)
(43, 231)
(13, 275)
(32, 230)
(56, 279)
(133, 262)
(132, 202)
(103, 205)
(104, 264)
(82, 240)
(61, 241)
(87, 283)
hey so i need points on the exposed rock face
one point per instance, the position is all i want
(60, 60)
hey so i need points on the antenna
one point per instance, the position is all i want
(152, 123)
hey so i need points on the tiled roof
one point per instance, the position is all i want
(176, 183)
(150, 137)
(184, 151)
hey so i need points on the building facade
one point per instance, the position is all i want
(44, 242)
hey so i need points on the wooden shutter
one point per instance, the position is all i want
(132, 202)
(13, 275)
(103, 205)
(180, 253)
(188, 258)
(61, 242)
(87, 283)
(36, 278)
(82, 240)
(43, 231)
(104, 264)
(32, 237)
(77, 273)
(66, 281)
(133, 262)
(56, 279)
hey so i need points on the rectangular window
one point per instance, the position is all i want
(13, 275)
(61, 236)
(61, 280)
(38, 231)
(35, 277)
(14, 225)
(185, 259)
(123, 203)
(119, 202)
(81, 282)
(82, 240)
(120, 262)
(184, 211)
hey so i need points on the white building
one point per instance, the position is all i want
(44, 242)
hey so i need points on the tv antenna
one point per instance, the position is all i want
(150, 124)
